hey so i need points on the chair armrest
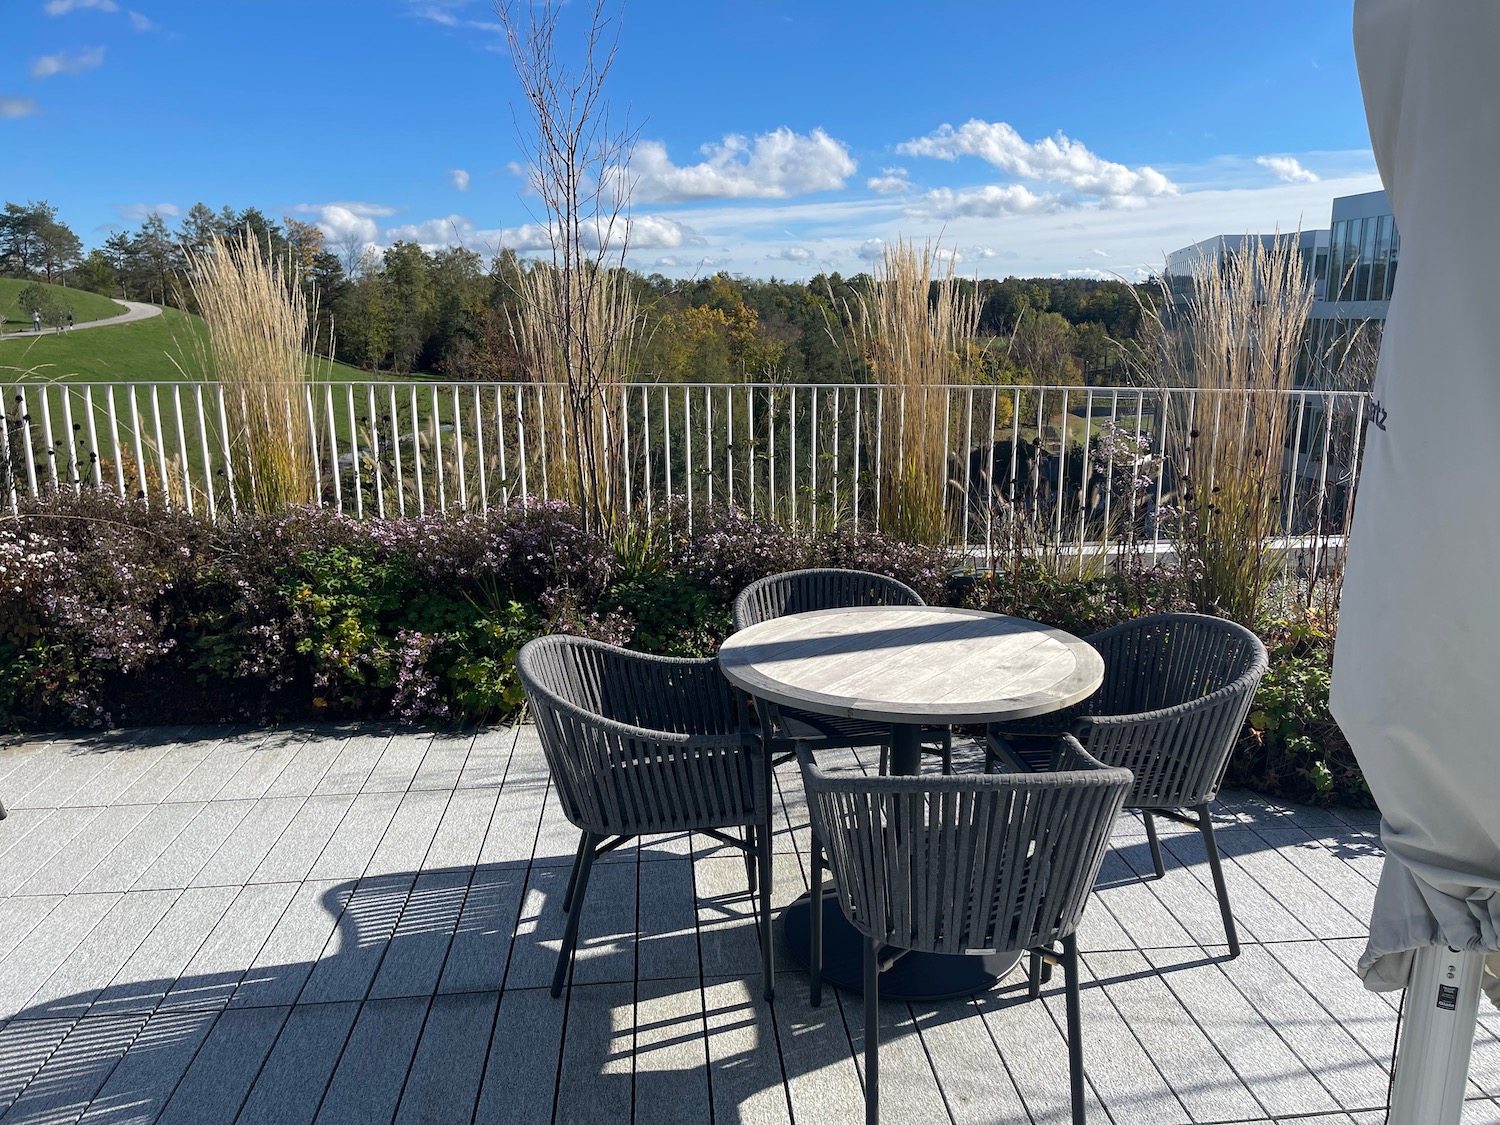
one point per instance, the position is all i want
(1177, 711)
(1178, 754)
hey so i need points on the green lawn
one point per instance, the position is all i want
(86, 306)
(165, 348)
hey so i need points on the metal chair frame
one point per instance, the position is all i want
(641, 745)
(1177, 689)
(987, 863)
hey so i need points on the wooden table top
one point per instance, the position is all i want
(912, 664)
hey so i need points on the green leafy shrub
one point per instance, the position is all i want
(113, 613)
(1292, 746)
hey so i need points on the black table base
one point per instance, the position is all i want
(916, 976)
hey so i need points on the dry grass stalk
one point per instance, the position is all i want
(259, 345)
(1236, 334)
(915, 330)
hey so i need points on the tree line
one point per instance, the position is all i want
(449, 311)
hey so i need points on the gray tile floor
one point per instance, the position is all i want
(357, 925)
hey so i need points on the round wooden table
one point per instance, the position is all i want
(908, 666)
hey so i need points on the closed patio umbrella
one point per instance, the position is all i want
(1416, 683)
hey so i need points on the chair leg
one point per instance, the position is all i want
(1075, 1026)
(815, 922)
(947, 751)
(872, 1032)
(570, 931)
(752, 853)
(583, 845)
(1161, 871)
(885, 758)
(767, 944)
(1210, 845)
(1034, 976)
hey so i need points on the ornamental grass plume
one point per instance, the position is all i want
(259, 343)
(1235, 336)
(915, 330)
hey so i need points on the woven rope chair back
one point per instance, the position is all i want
(639, 744)
(800, 591)
(1166, 665)
(977, 863)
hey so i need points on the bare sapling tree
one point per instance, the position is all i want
(578, 316)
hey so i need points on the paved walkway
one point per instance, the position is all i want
(134, 310)
(353, 925)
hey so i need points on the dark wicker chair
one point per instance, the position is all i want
(976, 864)
(640, 745)
(800, 591)
(1176, 690)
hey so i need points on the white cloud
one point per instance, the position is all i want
(140, 22)
(1045, 242)
(453, 230)
(657, 232)
(343, 226)
(644, 232)
(140, 212)
(17, 107)
(444, 12)
(1054, 160)
(63, 7)
(775, 165)
(979, 253)
(791, 254)
(1287, 169)
(889, 182)
(989, 201)
(65, 62)
(365, 210)
(459, 178)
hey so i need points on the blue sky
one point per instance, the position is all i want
(776, 138)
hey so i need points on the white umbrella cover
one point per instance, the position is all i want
(1416, 682)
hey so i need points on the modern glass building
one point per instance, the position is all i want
(1351, 268)
(1345, 323)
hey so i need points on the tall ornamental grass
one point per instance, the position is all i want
(1235, 333)
(259, 343)
(915, 330)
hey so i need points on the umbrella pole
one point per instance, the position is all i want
(1437, 1034)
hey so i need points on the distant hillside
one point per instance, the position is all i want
(85, 305)
(166, 348)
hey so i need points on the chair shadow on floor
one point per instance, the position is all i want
(428, 1000)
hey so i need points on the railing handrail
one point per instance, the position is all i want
(509, 384)
(804, 452)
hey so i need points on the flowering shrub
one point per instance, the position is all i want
(111, 612)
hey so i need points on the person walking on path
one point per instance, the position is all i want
(36, 320)
(70, 320)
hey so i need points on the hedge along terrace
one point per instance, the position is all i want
(113, 614)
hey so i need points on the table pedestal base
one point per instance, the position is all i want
(916, 976)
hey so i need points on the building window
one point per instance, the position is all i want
(1381, 259)
(1366, 260)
